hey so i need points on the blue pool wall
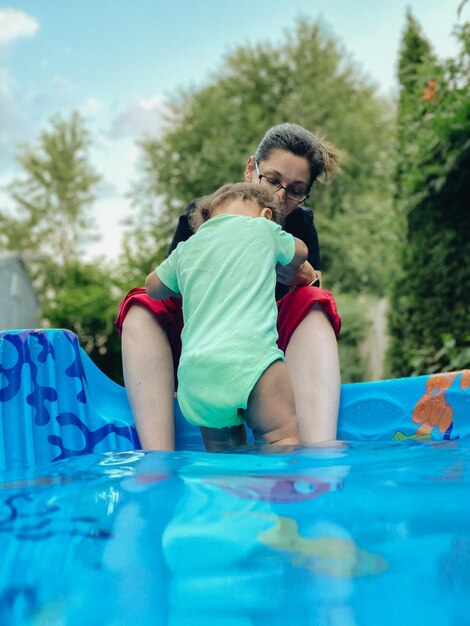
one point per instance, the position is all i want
(55, 403)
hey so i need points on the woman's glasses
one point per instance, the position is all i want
(292, 192)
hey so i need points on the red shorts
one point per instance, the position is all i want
(292, 309)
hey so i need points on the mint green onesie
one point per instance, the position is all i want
(226, 275)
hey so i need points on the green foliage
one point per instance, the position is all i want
(449, 358)
(212, 130)
(356, 323)
(144, 247)
(429, 320)
(415, 59)
(83, 297)
(52, 223)
(53, 197)
(402, 196)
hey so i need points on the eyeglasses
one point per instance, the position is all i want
(293, 193)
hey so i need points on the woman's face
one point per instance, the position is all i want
(286, 169)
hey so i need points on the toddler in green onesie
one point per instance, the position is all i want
(231, 370)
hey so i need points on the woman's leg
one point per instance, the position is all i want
(313, 364)
(149, 378)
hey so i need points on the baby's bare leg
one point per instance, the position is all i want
(271, 407)
(216, 439)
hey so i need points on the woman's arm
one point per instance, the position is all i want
(300, 223)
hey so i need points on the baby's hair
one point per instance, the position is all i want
(199, 214)
(206, 205)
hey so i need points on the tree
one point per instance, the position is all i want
(54, 195)
(83, 297)
(211, 130)
(53, 200)
(431, 298)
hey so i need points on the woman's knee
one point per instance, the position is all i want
(139, 321)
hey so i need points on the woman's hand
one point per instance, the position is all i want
(303, 275)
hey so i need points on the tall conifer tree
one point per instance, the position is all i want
(430, 298)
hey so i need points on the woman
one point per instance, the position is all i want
(288, 160)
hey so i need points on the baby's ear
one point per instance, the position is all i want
(267, 213)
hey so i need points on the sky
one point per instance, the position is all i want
(118, 61)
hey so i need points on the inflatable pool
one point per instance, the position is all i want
(55, 403)
(372, 529)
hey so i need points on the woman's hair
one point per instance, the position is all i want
(322, 156)
(206, 205)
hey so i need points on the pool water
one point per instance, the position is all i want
(352, 534)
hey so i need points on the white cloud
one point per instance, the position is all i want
(15, 24)
(140, 117)
(61, 83)
(115, 161)
(6, 103)
(91, 106)
(108, 213)
(106, 189)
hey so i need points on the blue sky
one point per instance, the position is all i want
(117, 61)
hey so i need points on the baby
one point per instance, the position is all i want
(231, 371)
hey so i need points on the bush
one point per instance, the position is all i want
(356, 324)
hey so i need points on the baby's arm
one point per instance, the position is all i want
(287, 273)
(300, 255)
(305, 275)
(156, 289)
